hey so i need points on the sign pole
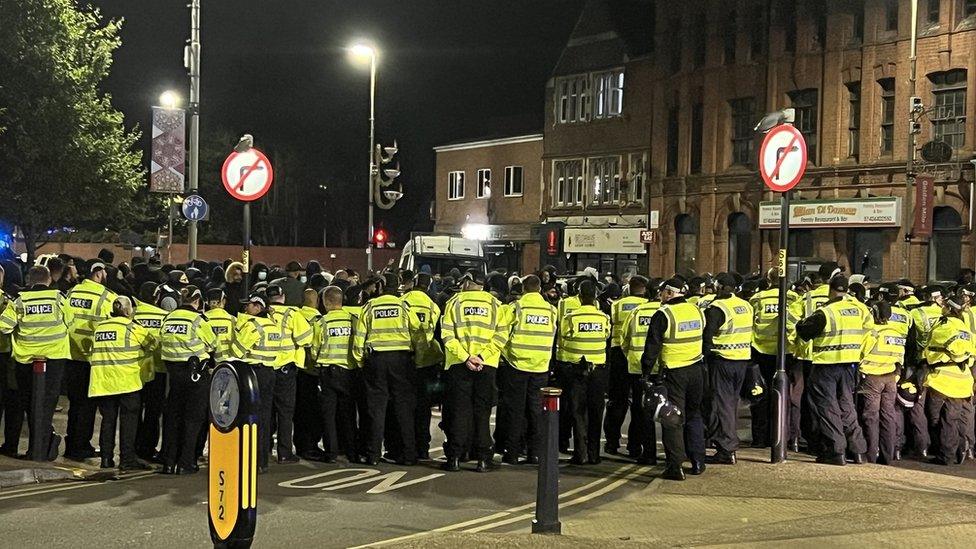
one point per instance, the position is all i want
(777, 452)
(246, 255)
(193, 60)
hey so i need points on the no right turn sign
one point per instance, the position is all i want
(783, 158)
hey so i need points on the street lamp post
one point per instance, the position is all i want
(325, 208)
(362, 50)
(192, 61)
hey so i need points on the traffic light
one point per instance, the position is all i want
(385, 173)
(379, 238)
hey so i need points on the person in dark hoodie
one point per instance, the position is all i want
(234, 287)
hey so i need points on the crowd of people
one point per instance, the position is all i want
(351, 366)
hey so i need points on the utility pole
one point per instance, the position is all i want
(372, 161)
(906, 217)
(191, 59)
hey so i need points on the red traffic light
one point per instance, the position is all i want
(379, 237)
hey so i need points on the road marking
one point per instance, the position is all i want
(384, 482)
(75, 486)
(491, 519)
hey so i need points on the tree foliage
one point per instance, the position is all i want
(66, 159)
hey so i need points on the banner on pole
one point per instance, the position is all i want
(924, 206)
(168, 159)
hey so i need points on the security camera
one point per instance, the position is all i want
(393, 195)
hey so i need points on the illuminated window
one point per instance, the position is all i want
(484, 183)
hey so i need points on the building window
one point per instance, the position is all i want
(568, 182)
(949, 116)
(513, 181)
(637, 176)
(760, 30)
(609, 94)
(685, 244)
(674, 62)
(968, 8)
(729, 35)
(484, 183)
(573, 101)
(743, 120)
(932, 13)
(854, 119)
(891, 15)
(740, 243)
(887, 114)
(805, 103)
(801, 243)
(858, 21)
(789, 42)
(867, 250)
(604, 180)
(697, 136)
(701, 41)
(945, 248)
(673, 129)
(455, 185)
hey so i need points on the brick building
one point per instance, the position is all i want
(492, 190)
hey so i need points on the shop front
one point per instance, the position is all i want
(608, 250)
(507, 247)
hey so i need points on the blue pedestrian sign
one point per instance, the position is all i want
(195, 208)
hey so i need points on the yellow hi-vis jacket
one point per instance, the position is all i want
(222, 323)
(257, 340)
(119, 346)
(567, 305)
(619, 312)
(924, 317)
(583, 335)
(428, 350)
(386, 324)
(531, 325)
(900, 320)
(89, 302)
(842, 336)
(949, 354)
(5, 344)
(883, 350)
(733, 340)
(151, 318)
(334, 338)
(296, 335)
(472, 326)
(39, 320)
(683, 338)
(185, 334)
(765, 320)
(635, 334)
(802, 308)
(312, 316)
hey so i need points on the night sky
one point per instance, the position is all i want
(449, 70)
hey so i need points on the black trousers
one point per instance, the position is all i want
(918, 423)
(587, 396)
(284, 408)
(472, 395)
(426, 381)
(185, 414)
(876, 397)
(52, 390)
(686, 388)
(266, 389)
(81, 409)
(11, 410)
(520, 404)
(831, 389)
(618, 398)
(947, 423)
(727, 378)
(308, 411)
(122, 411)
(388, 376)
(641, 433)
(153, 401)
(762, 412)
(338, 398)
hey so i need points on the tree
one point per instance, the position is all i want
(66, 159)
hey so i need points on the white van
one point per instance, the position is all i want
(442, 253)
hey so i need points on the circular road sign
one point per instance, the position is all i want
(783, 158)
(195, 208)
(248, 175)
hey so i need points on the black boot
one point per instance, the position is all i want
(452, 464)
(722, 457)
(673, 472)
(697, 467)
(108, 463)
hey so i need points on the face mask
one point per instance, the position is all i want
(304, 279)
(262, 275)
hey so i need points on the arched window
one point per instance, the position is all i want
(945, 248)
(686, 243)
(740, 243)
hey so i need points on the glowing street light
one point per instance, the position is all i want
(169, 99)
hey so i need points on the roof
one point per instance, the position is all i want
(607, 33)
(511, 140)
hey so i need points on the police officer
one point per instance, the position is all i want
(428, 358)
(641, 435)
(924, 316)
(906, 294)
(152, 398)
(581, 349)
(11, 412)
(257, 342)
(39, 320)
(901, 323)
(727, 346)
(338, 376)
(473, 337)
(90, 301)
(383, 343)
(837, 332)
(308, 407)
(221, 322)
(119, 344)
(524, 371)
(882, 357)
(675, 339)
(618, 387)
(296, 335)
(949, 355)
(186, 343)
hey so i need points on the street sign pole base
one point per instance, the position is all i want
(779, 411)
(553, 528)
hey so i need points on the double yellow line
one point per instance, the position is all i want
(589, 492)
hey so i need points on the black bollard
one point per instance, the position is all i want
(40, 434)
(547, 489)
